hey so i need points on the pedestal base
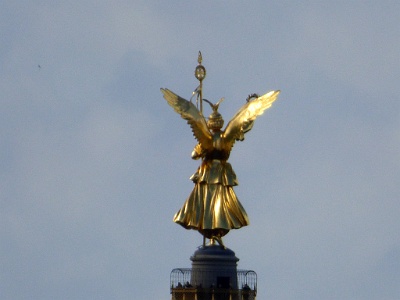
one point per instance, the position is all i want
(214, 267)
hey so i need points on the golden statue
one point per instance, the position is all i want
(213, 208)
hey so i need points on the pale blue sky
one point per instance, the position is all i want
(94, 163)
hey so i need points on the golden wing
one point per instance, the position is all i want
(189, 112)
(244, 119)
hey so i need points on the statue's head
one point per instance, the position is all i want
(215, 120)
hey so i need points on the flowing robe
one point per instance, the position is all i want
(212, 208)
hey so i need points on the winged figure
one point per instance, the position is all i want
(212, 208)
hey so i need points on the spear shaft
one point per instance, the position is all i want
(200, 74)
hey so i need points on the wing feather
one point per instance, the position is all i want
(189, 112)
(243, 120)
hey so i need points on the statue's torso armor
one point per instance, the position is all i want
(215, 169)
(219, 150)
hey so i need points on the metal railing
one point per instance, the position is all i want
(182, 288)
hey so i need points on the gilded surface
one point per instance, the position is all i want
(212, 208)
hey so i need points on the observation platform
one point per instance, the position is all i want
(213, 276)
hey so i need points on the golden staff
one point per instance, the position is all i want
(200, 73)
